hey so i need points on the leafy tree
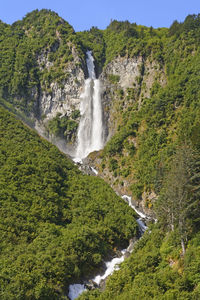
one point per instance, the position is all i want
(178, 205)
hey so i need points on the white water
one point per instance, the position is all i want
(94, 170)
(112, 265)
(90, 131)
(142, 216)
(75, 290)
(128, 199)
(90, 138)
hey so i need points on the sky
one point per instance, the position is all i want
(83, 14)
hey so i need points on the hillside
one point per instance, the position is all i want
(149, 86)
(56, 224)
(155, 270)
(151, 98)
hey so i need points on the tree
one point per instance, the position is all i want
(178, 205)
(175, 28)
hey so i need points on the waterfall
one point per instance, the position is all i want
(90, 131)
(90, 138)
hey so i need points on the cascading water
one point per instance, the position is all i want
(77, 289)
(90, 138)
(90, 131)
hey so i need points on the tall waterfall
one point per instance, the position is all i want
(90, 131)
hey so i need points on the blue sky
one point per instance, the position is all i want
(83, 14)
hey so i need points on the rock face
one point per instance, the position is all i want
(62, 98)
(126, 68)
(124, 72)
(65, 98)
(132, 77)
(126, 82)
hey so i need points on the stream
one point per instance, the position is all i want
(91, 138)
(113, 265)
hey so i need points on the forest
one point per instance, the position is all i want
(57, 225)
(165, 263)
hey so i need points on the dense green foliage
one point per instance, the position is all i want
(155, 271)
(157, 268)
(150, 151)
(64, 126)
(179, 202)
(165, 262)
(121, 39)
(93, 40)
(148, 133)
(56, 224)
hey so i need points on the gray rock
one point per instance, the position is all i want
(91, 285)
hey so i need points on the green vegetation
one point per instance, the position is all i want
(155, 270)
(147, 134)
(56, 224)
(178, 205)
(113, 78)
(165, 159)
(63, 126)
(121, 39)
(165, 261)
(93, 40)
(24, 44)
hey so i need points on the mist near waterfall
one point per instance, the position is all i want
(90, 131)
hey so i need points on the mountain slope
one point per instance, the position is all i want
(42, 70)
(56, 224)
(151, 108)
(153, 105)
(155, 270)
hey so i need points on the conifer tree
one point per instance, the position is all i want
(178, 205)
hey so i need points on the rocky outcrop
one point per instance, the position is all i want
(126, 68)
(119, 75)
(131, 78)
(126, 82)
(62, 95)
(65, 97)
